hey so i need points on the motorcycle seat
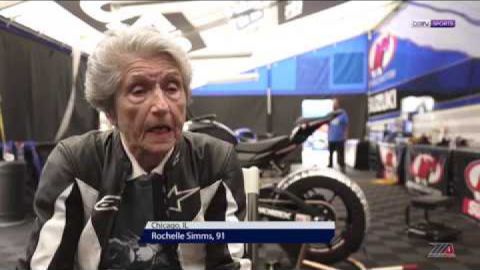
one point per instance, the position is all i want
(263, 145)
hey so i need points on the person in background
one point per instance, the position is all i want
(98, 190)
(337, 134)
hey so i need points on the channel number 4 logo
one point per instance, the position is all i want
(442, 250)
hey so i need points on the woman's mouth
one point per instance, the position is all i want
(160, 129)
(160, 133)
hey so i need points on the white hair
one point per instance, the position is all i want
(103, 75)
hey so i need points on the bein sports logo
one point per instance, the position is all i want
(472, 177)
(381, 54)
(426, 170)
(433, 23)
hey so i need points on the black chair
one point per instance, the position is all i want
(428, 229)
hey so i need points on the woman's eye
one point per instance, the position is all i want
(172, 87)
(137, 90)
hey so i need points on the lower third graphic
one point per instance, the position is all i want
(442, 250)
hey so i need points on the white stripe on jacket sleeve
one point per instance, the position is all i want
(51, 233)
(89, 249)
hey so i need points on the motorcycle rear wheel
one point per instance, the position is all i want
(351, 217)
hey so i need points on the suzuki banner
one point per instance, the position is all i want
(383, 102)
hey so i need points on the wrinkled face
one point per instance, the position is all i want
(150, 107)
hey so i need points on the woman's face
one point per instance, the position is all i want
(150, 107)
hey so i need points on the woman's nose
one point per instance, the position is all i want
(159, 99)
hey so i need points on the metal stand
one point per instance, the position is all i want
(251, 180)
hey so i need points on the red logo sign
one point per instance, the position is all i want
(426, 169)
(381, 54)
(389, 161)
(472, 178)
(471, 207)
(388, 156)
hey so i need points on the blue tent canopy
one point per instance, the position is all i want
(409, 52)
(336, 69)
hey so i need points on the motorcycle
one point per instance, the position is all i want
(311, 194)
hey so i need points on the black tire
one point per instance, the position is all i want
(348, 239)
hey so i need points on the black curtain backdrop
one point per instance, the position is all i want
(84, 117)
(15, 86)
(234, 111)
(50, 77)
(35, 84)
(250, 111)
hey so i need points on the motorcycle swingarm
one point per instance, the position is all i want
(282, 210)
(279, 213)
(299, 202)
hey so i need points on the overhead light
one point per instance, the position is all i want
(94, 10)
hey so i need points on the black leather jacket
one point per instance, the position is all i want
(82, 183)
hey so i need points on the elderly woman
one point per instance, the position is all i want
(98, 190)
